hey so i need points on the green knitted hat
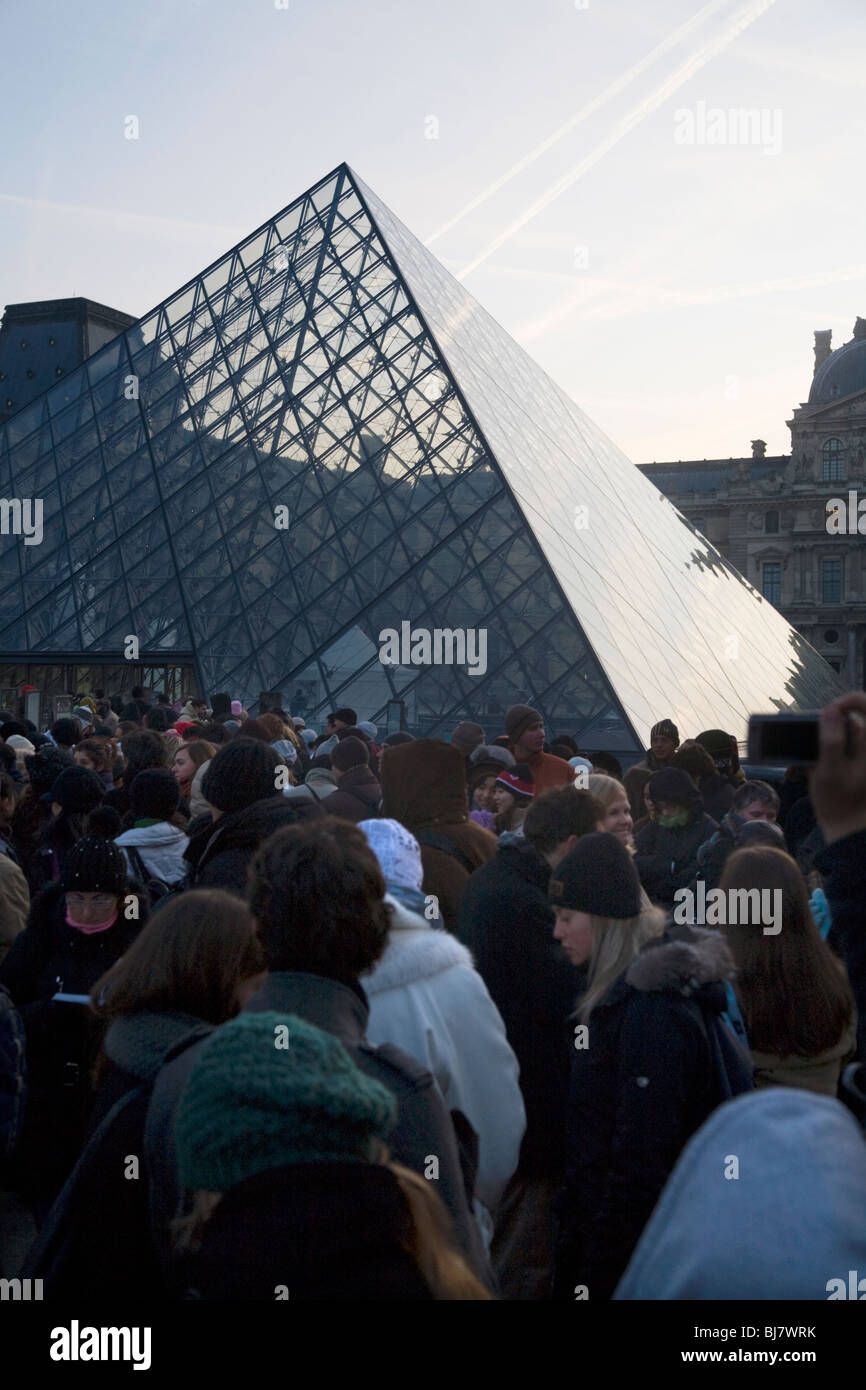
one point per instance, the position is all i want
(268, 1090)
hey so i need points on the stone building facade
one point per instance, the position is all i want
(790, 523)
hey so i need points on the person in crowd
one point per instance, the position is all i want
(480, 782)
(467, 736)
(73, 796)
(97, 754)
(220, 707)
(358, 792)
(194, 710)
(22, 748)
(424, 788)
(636, 781)
(752, 801)
(31, 813)
(794, 787)
(654, 1060)
(341, 719)
(187, 761)
(77, 928)
(564, 746)
(66, 732)
(513, 792)
(723, 750)
(283, 739)
(14, 892)
(213, 732)
(506, 921)
(791, 1232)
(664, 742)
(240, 786)
(319, 782)
(617, 810)
(426, 996)
(141, 749)
(667, 848)
(607, 764)
(717, 792)
(317, 893)
(792, 990)
(154, 847)
(191, 968)
(284, 1151)
(524, 729)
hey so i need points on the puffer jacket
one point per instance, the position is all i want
(160, 847)
(658, 1061)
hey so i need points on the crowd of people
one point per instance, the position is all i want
(288, 1013)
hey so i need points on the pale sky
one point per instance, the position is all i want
(672, 288)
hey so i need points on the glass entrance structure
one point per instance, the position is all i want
(322, 439)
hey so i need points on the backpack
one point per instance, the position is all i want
(157, 888)
(437, 839)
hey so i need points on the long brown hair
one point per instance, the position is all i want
(792, 989)
(189, 958)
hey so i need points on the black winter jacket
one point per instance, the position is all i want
(666, 859)
(220, 851)
(658, 1060)
(507, 922)
(843, 865)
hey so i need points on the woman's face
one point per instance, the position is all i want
(182, 766)
(618, 820)
(91, 909)
(574, 930)
(503, 801)
(481, 797)
(84, 760)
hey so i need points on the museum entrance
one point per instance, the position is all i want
(57, 682)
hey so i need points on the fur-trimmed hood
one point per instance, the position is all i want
(684, 959)
(415, 951)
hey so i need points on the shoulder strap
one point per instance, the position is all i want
(437, 839)
(312, 790)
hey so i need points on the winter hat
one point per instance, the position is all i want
(519, 781)
(43, 768)
(518, 719)
(94, 865)
(220, 704)
(346, 716)
(581, 764)
(268, 1090)
(76, 789)
(350, 752)
(104, 822)
(398, 736)
(154, 793)
(674, 785)
(467, 737)
(397, 851)
(20, 743)
(492, 753)
(236, 708)
(761, 832)
(240, 773)
(368, 728)
(298, 723)
(309, 736)
(666, 728)
(599, 877)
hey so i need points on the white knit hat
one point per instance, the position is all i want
(398, 852)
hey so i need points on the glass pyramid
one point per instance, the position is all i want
(323, 437)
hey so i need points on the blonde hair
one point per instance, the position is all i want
(615, 943)
(607, 789)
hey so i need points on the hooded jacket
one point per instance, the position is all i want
(424, 788)
(426, 996)
(788, 1224)
(318, 785)
(666, 858)
(161, 848)
(357, 795)
(658, 1061)
(220, 851)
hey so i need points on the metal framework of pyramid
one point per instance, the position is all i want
(431, 474)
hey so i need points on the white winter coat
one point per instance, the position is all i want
(161, 848)
(427, 997)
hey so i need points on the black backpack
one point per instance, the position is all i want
(157, 888)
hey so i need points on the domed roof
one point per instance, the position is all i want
(843, 372)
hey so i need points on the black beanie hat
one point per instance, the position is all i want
(43, 768)
(221, 705)
(598, 876)
(76, 789)
(94, 865)
(241, 773)
(155, 793)
(674, 785)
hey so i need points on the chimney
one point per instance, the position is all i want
(822, 346)
(759, 448)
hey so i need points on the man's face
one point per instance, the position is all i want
(758, 810)
(663, 748)
(533, 737)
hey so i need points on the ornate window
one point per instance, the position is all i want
(832, 461)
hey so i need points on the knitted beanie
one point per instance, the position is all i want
(43, 768)
(518, 719)
(599, 877)
(397, 851)
(368, 729)
(268, 1090)
(467, 737)
(674, 785)
(350, 752)
(239, 774)
(76, 789)
(493, 754)
(236, 708)
(666, 728)
(519, 781)
(94, 865)
(154, 793)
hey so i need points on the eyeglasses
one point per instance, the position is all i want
(100, 902)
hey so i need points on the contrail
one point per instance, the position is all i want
(623, 127)
(583, 114)
(147, 221)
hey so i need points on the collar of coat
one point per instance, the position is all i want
(415, 951)
(683, 960)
